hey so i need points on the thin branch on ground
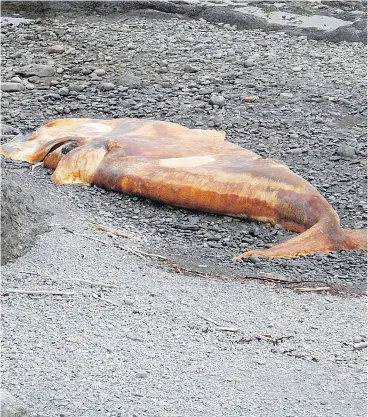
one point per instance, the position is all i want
(227, 329)
(36, 292)
(209, 320)
(97, 297)
(312, 289)
(111, 231)
(86, 281)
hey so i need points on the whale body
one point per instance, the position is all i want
(191, 168)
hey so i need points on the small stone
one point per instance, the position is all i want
(99, 72)
(286, 95)
(250, 99)
(64, 91)
(16, 80)
(128, 301)
(77, 87)
(37, 70)
(358, 339)
(141, 374)
(346, 151)
(217, 100)
(243, 245)
(86, 71)
(190, 68)
(12, 87)
(56, 49)
(107, 86)
(296, 69)
(248, 63)
(254, 259)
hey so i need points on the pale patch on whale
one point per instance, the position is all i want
(187, 161)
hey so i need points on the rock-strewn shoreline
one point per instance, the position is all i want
(140, 348)
(228, 12)
(284, 97)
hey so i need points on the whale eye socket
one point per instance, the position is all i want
(68, 147)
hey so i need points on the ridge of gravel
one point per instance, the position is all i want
(233, 12)
(290, 99)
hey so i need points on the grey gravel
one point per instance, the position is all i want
(11, 406)
(192, 367)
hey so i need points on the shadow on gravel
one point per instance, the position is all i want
(21, 220)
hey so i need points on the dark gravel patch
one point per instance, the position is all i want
(309, 102)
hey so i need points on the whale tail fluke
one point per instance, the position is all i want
(325, 236)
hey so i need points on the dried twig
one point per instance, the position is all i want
(312, 289)
(227, 329)
(271, 277)
(36, 292)
(82, 235)
(113, 231)
(94, 295)
(209, 320)
(95, 283)
(361, 345)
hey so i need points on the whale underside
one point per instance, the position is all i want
(191, 168)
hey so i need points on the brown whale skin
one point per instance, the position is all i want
(190, 168)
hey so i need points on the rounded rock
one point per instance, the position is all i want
(248, 63)
(217, 100)
(107, 86)
(56, 49)
(346, 151)
(99, 72)
(12, 87)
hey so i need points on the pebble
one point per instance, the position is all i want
(107, 86)
(141, 374)
(56, 49)
(16, 80)
(128, 301)
(36, 69)
(190, 68)
(64, 91)
(99, 72)
(346, 151)
(77, 87)
(249, 63)
(12, 87)
(286, 95)
(358, 339)
(250, 99)
(217, 100)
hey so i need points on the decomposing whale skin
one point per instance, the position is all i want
(190, 168)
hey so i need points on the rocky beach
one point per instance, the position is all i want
(295, 97)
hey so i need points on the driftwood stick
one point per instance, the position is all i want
(115, 232)
(227, 329)
(94, 295)
(312, 289)
(82, 235)
(36, 292)
(209, 320)
(95, 283)
(361, 345)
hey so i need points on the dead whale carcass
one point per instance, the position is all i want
(191, 168)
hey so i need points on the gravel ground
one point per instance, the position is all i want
(151, 354)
